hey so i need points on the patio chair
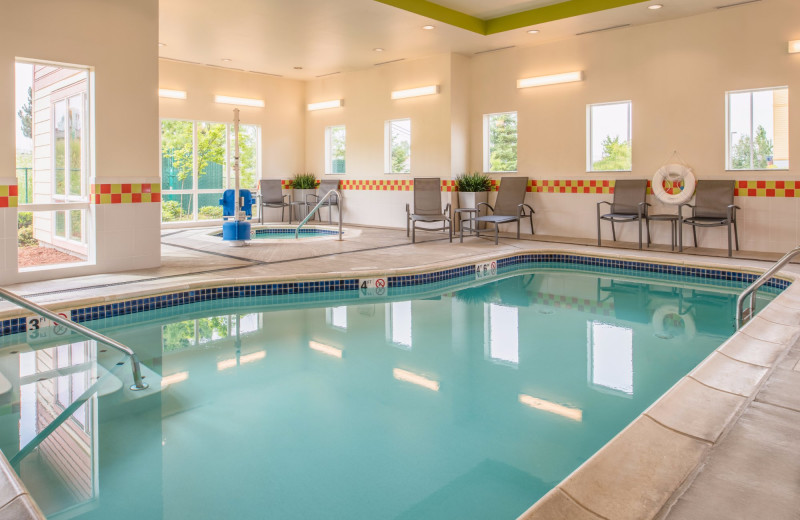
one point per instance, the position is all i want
(428, 207)
(324, 187)
(271, 195)
(713, 206)
(509, 207)
(628, 205)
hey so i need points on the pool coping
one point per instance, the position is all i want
(637, 472)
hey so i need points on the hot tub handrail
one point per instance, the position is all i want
(311, 213)
(138, 384)
(744, 315)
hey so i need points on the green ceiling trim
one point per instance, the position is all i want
(440, 13)
(548, 13)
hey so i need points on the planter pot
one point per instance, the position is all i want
(471, 200)
(300, 196)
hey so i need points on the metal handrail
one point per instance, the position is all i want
(138, 384)
(742, 314)
(311, 213)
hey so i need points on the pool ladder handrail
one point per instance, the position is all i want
(744, 315)
(311, 213)
(138, 384)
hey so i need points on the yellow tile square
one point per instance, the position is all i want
(105, 198)
(127, 198)
(145, 197)
(136, 188)
(155, 188)
(116, 188)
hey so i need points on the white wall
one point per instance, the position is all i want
(119, 40)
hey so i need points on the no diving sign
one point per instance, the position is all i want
(372, 287)
(485, 270)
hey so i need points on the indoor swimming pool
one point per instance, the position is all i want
(467, 397)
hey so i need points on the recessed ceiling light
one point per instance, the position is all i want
(162, 44)
(377, 49)
(428, 27)
(298, 68)
(226, 59)
(533, 31)
(654, 7)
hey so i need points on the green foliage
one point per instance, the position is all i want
(210, 212)
(503, 143)
(473, 182)
(25, 229)
(616, 155)
(304, 181)
(762, 149)
(171, 210)
(248, 146)
(401, 154)
(25, 118)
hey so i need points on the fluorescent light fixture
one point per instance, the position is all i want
(794, 46)
(174, 378)
(553, 79)
(173, 94)
(228, 100)
(415, 92)
(325, 349)
(322, 105)
(540, 404)
(243, 360)
(411, 377)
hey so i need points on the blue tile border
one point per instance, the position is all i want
(549, 260)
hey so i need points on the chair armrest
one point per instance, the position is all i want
(529, 207)
(643, 208)
(732, 211)
(680, 210)
(602, 202)
(312, 195)
(477, 206)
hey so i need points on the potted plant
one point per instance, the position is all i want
(472, 189)
(303, 184)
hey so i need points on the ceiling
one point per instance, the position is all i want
(325, 37)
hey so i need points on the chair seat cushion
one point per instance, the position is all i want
(705, 221)
(498, 219)
(620, 216)
(429, 218)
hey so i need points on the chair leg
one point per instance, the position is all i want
(414, 232)
(496, 233)
(640, 234)
(598, 229)
(330, 213)
(647, 226)
(736, 234)
(408, 224)
(730, 253)
(518, 223)
(694, 232)
(613, 231)
(450, 231)
(461, 231)
(530, 216)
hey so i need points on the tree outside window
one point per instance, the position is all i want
(500, 142)
(398, 134)
(609, 146)
(758, 129)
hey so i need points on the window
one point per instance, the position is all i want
(197, 166)
(397, 153)
(336, 317)
(501, 330)
(52, 103)
(611, 357)
(758, 129)
(500, 142)
(609, 137)
(398, 324)
(334, 150)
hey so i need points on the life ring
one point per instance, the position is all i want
(674, 173)
(663, 312)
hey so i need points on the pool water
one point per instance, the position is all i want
(467, 401)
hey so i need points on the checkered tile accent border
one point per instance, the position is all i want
(125, 193)
(9, 196)
(580, 304)
(505, 265)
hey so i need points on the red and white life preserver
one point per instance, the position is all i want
(674, 173)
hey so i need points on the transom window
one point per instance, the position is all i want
(609, 137)
(758, 129)
(334, 150)
(500, 142)
(197, 166)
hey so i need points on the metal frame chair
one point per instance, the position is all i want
(428, 207)
(713, 207)
(509, 207)
(629, 205)
(270, 193)
(324, 187)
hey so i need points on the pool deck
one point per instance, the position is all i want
(720, 444)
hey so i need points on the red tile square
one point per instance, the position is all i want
(789, 193)
(105, 188)
(780, 184)
(116, 198)
(13, 190)
(751, 193)
(126, 188)
(146, 188)
(155, 197)
(136, 197)
(3, 202)
(770, 192)
(761, 184)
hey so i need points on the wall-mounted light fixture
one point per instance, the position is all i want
(415, 92)
(322, 105)
(553, 79)
(794, 46)
(172, 94)
(247, 102)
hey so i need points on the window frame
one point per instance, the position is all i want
(329, 151)
(487, 163)
(387, 146)
(590, 134)
(728, 163)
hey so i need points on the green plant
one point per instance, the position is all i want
(210, 212)
(473, 182)
(171, 211)
(25, 229)
(304, 181)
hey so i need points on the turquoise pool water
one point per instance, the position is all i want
(461, 401)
